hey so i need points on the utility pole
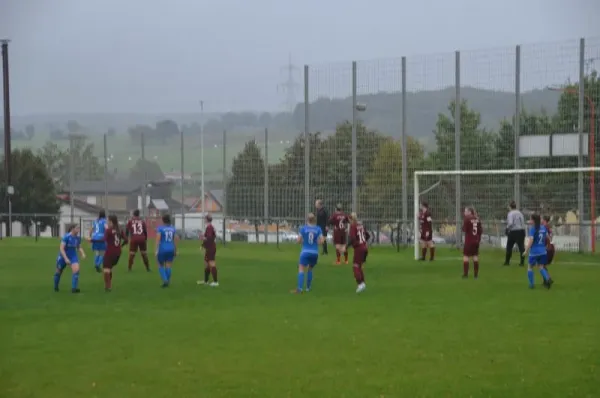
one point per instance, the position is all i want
(289, 85)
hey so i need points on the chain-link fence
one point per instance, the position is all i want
(355, 141)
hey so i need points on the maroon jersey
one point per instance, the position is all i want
(425, 225)
(359, 236)
(114, 240)
(136, 229)
(210, 237)
(472, 229)
(339, 220)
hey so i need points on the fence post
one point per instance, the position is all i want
(517, 124)
(105, 139)
(354, 143)
(266, 187)
(580, 130)
(144, 176)
(404, 149)
(182, 184)
(457, 135)
(224, 199)
(306, 142)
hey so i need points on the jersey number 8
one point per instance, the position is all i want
(311, 238)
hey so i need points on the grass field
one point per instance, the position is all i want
(418, 331)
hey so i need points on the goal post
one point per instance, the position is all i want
(564, 194)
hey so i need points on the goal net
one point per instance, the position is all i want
(566, 195)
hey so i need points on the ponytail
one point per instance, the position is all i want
(537, 222)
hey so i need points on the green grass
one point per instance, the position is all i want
(418, 331)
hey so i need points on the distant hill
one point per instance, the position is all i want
(384, 110)
(383, 113)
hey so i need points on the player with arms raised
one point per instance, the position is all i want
(339, 220)
(473, 230)
(115, 239)
(426, 230)
(138, 238)
(210, 253)
(358, 239)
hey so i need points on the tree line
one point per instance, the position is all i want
(379, 167)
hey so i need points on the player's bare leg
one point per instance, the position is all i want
(213, 271)
(423, 250)
(107, 279)
(145, 260)
(131, 259)
(339, 249)
(431, 246)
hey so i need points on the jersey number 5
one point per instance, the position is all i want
(117, 241)
(474, 228)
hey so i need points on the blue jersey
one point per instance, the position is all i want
(167, 238)
(310, 238)
(98, 228)
(72, 244)
(538, 246)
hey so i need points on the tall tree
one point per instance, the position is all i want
(34, 190)
(245, 187)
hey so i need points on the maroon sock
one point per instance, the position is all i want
(145, 259)
(431, 253)
(362, 275)
(357, 274)
(476, 268)
(206, 274)
(465, 268)
(213, 271)
(423, 253)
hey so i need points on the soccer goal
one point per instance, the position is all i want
(563, 194)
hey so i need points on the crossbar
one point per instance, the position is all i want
(504, 171)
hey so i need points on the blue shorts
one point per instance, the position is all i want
(540, 259)
(99, 246)
(308, 259)
(165, 257)
(61, 264)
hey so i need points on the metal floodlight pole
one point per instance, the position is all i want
(182, 184)
(354, 140)
(72, 178)
(306, 141)
(202, 203)
(404, 150)
(7, 128)
(144, 176)
(517, 124)
(457, 145)
(10, 191)
(105, 173)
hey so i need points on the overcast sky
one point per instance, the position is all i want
(156, 56)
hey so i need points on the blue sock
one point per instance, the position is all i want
(300, 285)
(544, 273)
(163, 273)
(168, 273)
(530, 276)
(75, 280)
(309, 279)
(96, 263)
(100, 260)
(57, 279)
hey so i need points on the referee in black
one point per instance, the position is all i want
(515, 232)
(322, 220)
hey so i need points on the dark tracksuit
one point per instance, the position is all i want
(322, 220)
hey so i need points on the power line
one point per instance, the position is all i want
(289, 86)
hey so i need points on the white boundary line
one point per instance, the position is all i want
(557, 263)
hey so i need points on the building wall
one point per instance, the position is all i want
(83, 218)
